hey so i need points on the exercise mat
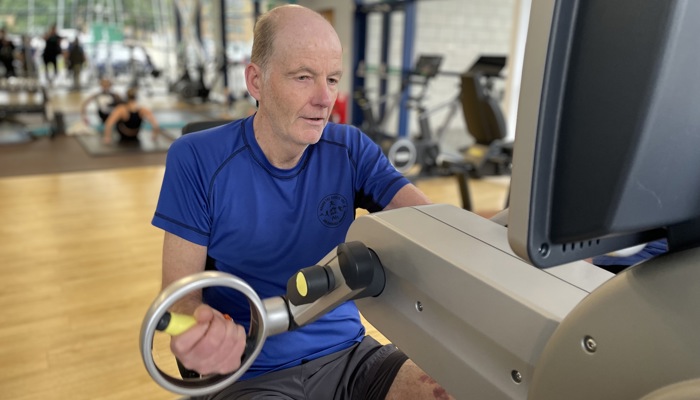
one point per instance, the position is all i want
(94, 146)
(13, 134)
(171, 123)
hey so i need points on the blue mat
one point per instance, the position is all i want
(93, 145)
(13, 134)
(170, 120)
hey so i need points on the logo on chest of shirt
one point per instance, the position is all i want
(332, 210)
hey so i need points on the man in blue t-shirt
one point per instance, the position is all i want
(268, 195)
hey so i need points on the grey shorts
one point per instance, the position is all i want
(361, 372)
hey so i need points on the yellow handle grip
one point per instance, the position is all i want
(174, 324)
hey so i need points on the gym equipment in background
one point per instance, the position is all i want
(403, 153)
(490, 154)
(426, 154)
(22, 97)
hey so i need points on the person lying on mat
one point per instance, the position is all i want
(106, 101)
(127, 118)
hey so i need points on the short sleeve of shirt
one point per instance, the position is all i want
(377, 180)
(182, 206)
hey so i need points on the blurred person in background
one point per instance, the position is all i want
(52, 50)
(75, 58)
(7, 54)
(106, 100)
(127, 118)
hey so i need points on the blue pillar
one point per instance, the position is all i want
(256, 10)
(384, 60)
(359, 50)
(178, 24)
(360, 46)
(409, 34)
(224, 66)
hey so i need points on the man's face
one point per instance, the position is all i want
(300, 86)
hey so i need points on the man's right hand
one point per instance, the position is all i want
(212, 346)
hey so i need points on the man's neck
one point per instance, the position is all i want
(281, 154)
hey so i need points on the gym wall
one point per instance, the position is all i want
(460, 30)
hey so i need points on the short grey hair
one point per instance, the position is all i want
(265, 33)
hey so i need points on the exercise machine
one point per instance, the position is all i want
(190, 89)
(26, 96)
(404, 153)
(376, 112)
(504, 308)
(191, 85)
(479, 320)
(143, 71)
(491, 154)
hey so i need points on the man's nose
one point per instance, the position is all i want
(324, 95)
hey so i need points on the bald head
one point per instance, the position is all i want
(286, 26)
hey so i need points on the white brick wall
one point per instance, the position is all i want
(460, 31)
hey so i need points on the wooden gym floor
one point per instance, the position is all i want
(81, 263)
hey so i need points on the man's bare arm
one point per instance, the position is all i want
(214, 344)
(408, 195)
(182, 258)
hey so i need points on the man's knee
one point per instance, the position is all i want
(412, 382)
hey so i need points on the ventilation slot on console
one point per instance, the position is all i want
(574, 246)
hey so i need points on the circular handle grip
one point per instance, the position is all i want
(171, 295)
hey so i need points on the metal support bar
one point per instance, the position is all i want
(463, 180)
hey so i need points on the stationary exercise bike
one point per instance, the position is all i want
(403, 153)
(490, 154)
(191, 89)
(374, 122)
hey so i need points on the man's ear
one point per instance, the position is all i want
(253, 80)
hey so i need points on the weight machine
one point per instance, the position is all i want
(26, 96)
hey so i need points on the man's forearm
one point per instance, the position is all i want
(189, 303)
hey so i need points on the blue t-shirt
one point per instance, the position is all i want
(263, 224)
(649, 251)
